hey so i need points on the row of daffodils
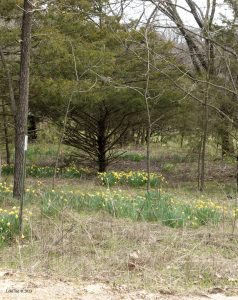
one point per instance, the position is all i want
(154, 207)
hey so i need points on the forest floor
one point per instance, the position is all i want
(22, 286)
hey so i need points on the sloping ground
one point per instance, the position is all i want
(22, 286)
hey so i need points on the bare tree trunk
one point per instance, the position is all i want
(22, 104)
(148, 154)
(147, 97)
(65, 120)
(209, 55)
(61, 140)
(203, 148)
(199, 164)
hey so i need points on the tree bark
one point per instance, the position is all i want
(101, 141)
(22, 103)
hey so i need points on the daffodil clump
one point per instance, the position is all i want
(5, 190)
(45, 172)
(134, 179)
(9, 223)
(190, 213)
(53, 203)
(155, 207)
(48, 171)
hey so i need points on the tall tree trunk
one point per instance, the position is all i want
(101, 140)
(199, 164)
(102, 164)
(205, 114)
(148, 157)
(203, 149)
(22, 104)
(149, 123)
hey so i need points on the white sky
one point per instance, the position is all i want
(136, 8)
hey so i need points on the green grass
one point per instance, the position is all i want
(180, 211)
(133, 156)
(155, 207)
(48, 172)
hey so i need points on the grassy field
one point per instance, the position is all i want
(107, 228)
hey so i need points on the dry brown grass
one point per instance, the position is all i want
(141, 255)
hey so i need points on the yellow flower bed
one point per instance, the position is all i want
(135, 179)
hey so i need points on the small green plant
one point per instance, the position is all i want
(133, 156)
(168, 168)
(7, 170)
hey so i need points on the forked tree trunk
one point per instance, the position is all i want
(22, 103)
